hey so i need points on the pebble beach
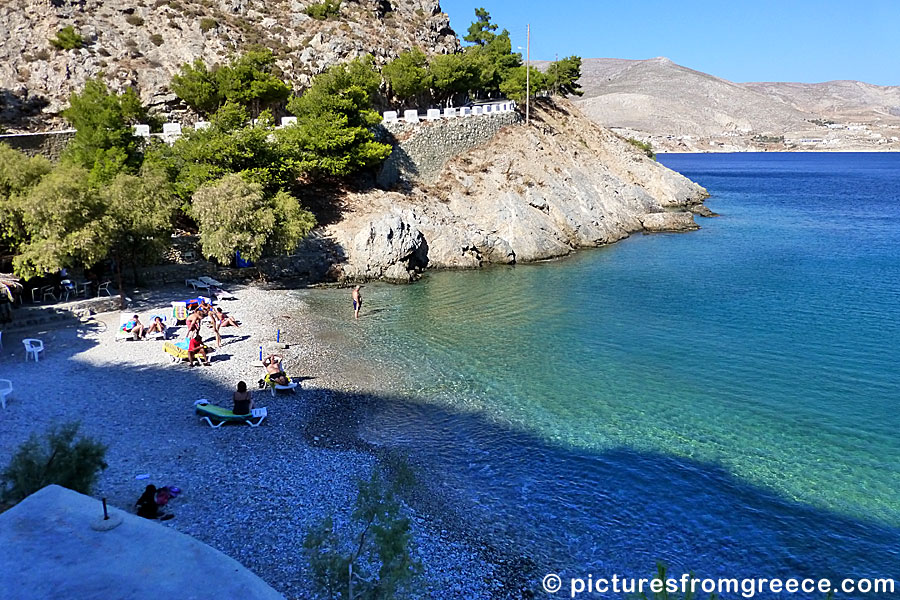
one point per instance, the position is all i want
(252, 493)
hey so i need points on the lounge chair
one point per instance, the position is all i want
(158, 335)
(121, 334)
(275, 388)
(179, 350)
(5, 390)
(194, 283)
(211, 282)
(179, 312)
(210, 412)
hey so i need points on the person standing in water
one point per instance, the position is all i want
(357, 301)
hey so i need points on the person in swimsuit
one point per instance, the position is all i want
(243, 403)
(134, 327)
(157, 326)
(357, 301)
(196, 348)
(224, 318)
(272, 363)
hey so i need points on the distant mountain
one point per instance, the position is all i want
(837, 100)
(677, 108)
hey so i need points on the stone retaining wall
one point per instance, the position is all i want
(421, 150)
(49, 144)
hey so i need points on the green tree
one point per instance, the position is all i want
(104, 143)
(407, 75)
(481, 32)
(383, 543)
(64, 221)
(235, 215)
(333, 135)
(563, 75)
(228, 146)
(59, 459)
(452, 74)
(18, 175)
(197, 87)
(67, 39)
(323, 10)
(515, 84)
(141, 210)
(292, 222)
(251, 80)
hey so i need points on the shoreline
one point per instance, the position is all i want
(250, 493)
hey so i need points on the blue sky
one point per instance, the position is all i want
(750, 40)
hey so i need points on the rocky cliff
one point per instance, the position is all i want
(142, 43)
(530, 193)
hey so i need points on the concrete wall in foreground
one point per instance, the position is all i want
(421, 150)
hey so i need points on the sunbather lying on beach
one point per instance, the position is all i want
(134, 327)
(224, 318)
(272, 363)
(196, 348)
(157, 326)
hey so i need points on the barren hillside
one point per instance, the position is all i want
(837, 100)
(143, 42)
(680, 109)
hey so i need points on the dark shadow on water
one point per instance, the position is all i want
(524, 504)
(576, 512)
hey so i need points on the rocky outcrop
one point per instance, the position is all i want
(531, 193)
(142, 44)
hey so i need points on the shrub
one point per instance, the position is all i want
(347, 567)
(644, 147)
(58, 458)
(67, 39)
(135, 20)
(207, 23)
(323, 10)
(157, 39)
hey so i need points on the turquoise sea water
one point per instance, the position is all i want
(727, 401)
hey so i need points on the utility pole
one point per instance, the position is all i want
(528, 75)
(556, 64)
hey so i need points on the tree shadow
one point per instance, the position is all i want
(20, 110)
(523, 504)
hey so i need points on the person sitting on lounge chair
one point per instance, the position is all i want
(275, 370)
(157, 326)
(243, 403)
(224, 318)
(196, 348)
(134, 327)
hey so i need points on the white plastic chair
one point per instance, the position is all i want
(33, 347)
(104, 287)
(5, 390)
(47, 291)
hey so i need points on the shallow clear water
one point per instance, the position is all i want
(725, 400)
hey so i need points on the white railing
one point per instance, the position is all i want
(173, 131)
(434, 114)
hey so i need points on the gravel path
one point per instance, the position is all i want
(252, 493)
